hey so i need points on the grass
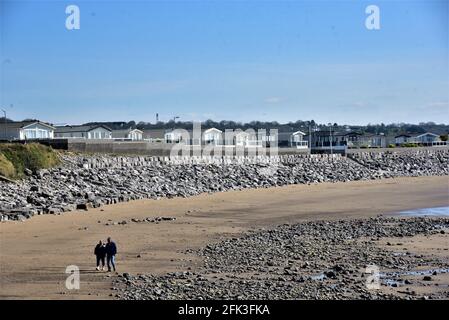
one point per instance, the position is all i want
(6, 167)
(15, 158)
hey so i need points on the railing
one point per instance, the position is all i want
(327, 144)
(303, 144)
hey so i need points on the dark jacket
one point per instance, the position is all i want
(100, 250)
(111, 249)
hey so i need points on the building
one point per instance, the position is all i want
(423, 139)
(240, 138)
(401, 139)
(247, 138)
(84, 132)
(154, 135)
(287, 140)
(327, 141)
(26, 130)
(213, 136)
(427, 139)
(297, 140)
(127, 134)
(365, 140)
(176, 136)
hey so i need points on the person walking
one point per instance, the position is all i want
(111, 251)
(100, 253)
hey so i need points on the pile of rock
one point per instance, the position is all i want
(89, 182)
(312, 260)
(394, 164)
(135, 220)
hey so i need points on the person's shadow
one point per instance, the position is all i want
(61, 270)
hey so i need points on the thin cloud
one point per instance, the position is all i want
(273, 100)
(437, 105)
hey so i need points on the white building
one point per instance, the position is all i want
(288, 139)
(425, 139)
(84, 132)
(402, 138)
(26, 130)
(247, 139)
(175, 136)
(213, 136)
(127, 134)
(297, 140)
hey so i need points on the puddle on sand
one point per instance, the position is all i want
(437, 212)
(318, 277)
(391, 278)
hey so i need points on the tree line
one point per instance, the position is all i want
(305, 126)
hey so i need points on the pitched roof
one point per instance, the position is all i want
(154, 133)
(122, 133)
(322, 133)
(23, 124)
(403, 135)
(427, 133)
(212, 129)
(82, 128)
(284, 136)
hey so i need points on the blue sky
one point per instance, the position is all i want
(233, 60)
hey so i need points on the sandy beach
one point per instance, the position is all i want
(35, 253)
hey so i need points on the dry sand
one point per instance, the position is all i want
(35, 253)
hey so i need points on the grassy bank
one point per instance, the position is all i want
(15, 158)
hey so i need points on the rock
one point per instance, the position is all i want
(427, 278)
(236, 268)
(82, 206)
(84, 182)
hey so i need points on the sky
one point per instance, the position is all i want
(225, 60)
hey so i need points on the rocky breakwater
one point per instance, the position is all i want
(411, 163)
(311, 260)
(85, 182)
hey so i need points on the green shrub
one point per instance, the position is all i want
(32, 156)
(410, 145)
(391, 145)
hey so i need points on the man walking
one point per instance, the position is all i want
(100, 253)
(111, 251)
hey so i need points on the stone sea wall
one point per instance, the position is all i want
(84, 182)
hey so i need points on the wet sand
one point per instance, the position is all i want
(436, 245)
(35, 253)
